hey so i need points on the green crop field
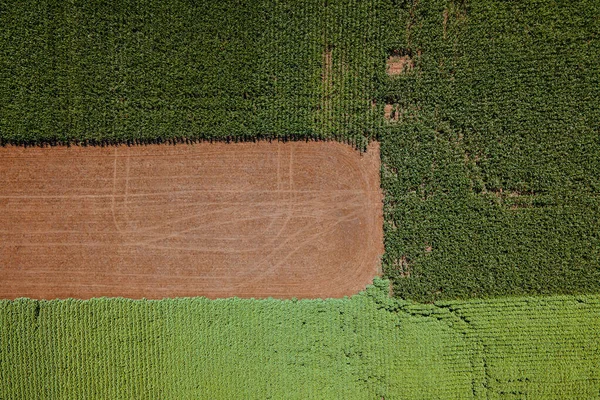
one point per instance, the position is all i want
(490, 171)
(365, 347)
(101, 72)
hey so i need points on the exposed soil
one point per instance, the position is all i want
(403, 267)
(327, 88)
(388, 113)
(327, 67)
(397, 65)
(445, 23)
(250, 220)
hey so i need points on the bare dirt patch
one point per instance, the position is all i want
(327, 94)
(327, 67)
(399, 64)
(217, 220)
(445, 23)
(390, 113)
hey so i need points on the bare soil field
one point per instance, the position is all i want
(249, 219)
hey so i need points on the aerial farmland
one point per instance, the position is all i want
(310, 199)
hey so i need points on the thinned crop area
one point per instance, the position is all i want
(365, 347)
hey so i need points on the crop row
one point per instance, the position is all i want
(367, 346)
(492, 156)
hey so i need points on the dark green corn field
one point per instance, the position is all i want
(102, 72)
(490, 170)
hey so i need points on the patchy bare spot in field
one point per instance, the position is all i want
(327, 66)
(399, 64)
(391, 112)
(403, 267)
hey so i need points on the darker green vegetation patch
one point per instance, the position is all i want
(492, 163)
(98, 72)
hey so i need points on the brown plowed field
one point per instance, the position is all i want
(250, 220)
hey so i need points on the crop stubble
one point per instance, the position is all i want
(259, 219)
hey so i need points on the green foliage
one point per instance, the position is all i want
(98, 72)
(492, 171)
(226, 349)
(357, 347)
(540, 348)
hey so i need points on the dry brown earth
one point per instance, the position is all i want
(250, 220)
(397, 65)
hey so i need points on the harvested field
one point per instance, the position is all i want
(250, 220)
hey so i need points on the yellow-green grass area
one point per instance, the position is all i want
(369, 346)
